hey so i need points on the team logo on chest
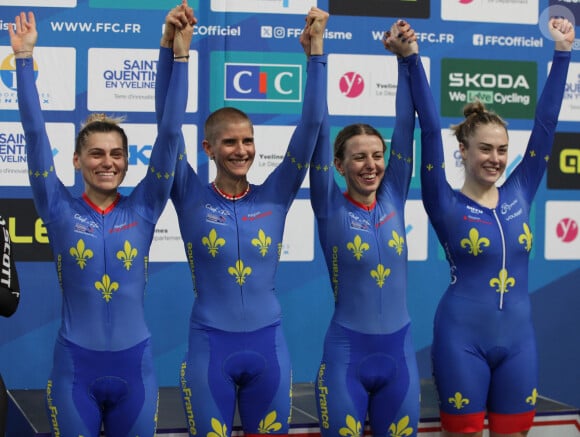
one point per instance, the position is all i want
(511, 210)
(358, 223)
(475, 215)
(216, 215)
(85, 225)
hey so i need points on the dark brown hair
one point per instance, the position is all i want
(350, 131)
(476, 114)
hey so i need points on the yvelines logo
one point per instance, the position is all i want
(564, 163)
(562, 230)
(351, 84)
(508, 87)
(256, 83)
(27, 232)
(382, 8)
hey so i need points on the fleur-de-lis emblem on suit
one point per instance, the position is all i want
(262, 242)
(213, 242)
(474, 243)
(268, 424)
(458, 401)
(107, 287)
(526, 238)
(397, 242)
(81, 254)
(503, 281)
(353, 428)
(219, 429)
(401, 428)
(127, 255)
(380, 274)
(532, 399)
(357, 247)
(240, 272)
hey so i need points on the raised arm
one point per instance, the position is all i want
(41, 171)
(321, 175)
(321, 166)
(159, 179)
(177, 17)
(401, 41)
(288, 176)
(435, 189)
(530, 170)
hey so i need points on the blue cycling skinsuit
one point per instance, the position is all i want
(484, 350)
(236, 344)
(103, 367)
(369, 361)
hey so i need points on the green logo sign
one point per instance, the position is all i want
(507, 87)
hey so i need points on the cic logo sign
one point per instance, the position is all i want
(263, 82)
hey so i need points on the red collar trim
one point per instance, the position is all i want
(97, 208)
(361, 205)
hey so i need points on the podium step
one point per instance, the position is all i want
(27, 416)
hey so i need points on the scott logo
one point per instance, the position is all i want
(351, 84)
(263, 82)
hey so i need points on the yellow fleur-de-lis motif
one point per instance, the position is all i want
(81, 254)
(352, 429)
(262, 242)
(503, 281)
(268, 424)
(127, 255)
(106, 287)
(474, 243)
(401, 428)
(219, 429)
(380, 274)
(240, 272)
(213, 242)
(458, 401)
(526, 238)
(357, 247)
(397, 242)
(533, 398)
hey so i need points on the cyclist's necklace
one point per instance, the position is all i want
(229, 196)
